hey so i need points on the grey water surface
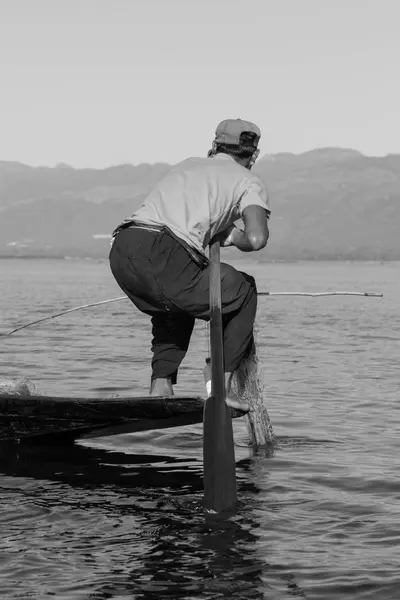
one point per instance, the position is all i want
(121, 517)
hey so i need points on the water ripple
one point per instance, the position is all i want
(318, 515)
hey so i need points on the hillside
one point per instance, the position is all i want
(329, 203)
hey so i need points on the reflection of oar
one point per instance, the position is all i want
(314, 294)
(218, 449)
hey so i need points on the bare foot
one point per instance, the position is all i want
(234, 401)
(161, 387)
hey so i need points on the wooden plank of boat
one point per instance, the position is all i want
(34, 416)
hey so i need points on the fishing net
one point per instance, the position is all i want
(16, 387)
(248, 385)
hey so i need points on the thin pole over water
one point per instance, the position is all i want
(92, 304)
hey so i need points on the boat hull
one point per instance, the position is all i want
(28, 417)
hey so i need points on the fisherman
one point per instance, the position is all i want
(158, 255)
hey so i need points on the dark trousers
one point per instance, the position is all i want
(160, 277)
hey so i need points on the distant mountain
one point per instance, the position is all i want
(329, 203)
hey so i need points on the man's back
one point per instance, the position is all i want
(169, 281)
(200, 197)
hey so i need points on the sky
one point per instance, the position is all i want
(94, 83)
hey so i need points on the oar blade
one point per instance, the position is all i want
(218, 457)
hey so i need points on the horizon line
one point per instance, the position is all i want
(65, 165)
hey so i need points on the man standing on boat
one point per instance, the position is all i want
(158, 254)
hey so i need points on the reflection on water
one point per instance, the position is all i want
(143, 510)
(318, 517)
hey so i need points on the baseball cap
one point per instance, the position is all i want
(237, 132)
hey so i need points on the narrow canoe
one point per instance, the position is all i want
(70, 418)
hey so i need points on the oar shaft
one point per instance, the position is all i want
(216, 339)
(218, 447)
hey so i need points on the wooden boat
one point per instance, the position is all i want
(24, 416)
(63, 418)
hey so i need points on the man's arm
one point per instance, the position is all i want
(254, 210)
(256, 232)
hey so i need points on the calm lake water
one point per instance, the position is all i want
(121, 517)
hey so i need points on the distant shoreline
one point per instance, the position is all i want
(230, 258)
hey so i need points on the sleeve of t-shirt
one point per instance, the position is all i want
(254, 192)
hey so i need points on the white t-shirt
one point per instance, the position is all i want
(201, 197)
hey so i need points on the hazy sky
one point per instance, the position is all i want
(101, 82)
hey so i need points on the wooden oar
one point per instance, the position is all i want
(218, 448)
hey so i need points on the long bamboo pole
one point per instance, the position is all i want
(92, 304)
